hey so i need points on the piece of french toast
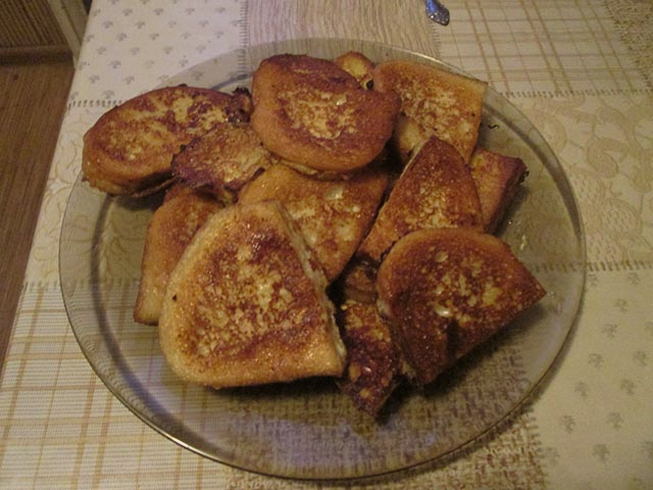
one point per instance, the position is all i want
(130, 148)
(437, 101)
(373, 359)
(247, 305)
(446, 291)
(435, 190)
(333, 216)
(358, 66)
(172, 227)
(222, 160)
(497, 178)
(309, 111)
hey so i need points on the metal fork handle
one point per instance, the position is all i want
(437, 12)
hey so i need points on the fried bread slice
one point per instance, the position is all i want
(130, 148)
(373, 360)
(358, 66)
(222, 161)
(439, 102)
(445, 291)
(309, 111)
(247, 305)
(172, 227)
(435, 190)
(333, 216)
(497, 178)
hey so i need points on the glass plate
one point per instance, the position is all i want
(308, 429)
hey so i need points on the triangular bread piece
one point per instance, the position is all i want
(333, 216)
(169, 232)
(247, 305)
(445, 291)
(435, 190)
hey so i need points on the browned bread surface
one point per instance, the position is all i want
(357, 65)
(171, 229)
(372, 357)
(435, 190)
(445, 291)
(222, 160)
(130, 148)
(246, 304)
(497, 178)
(333, 216)
(440, 102)
(309, 111)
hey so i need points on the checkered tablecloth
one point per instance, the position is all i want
(581, 71)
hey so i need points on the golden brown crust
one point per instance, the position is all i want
(440, 102)
(373, 361)
(497, 178)
(358, 66)
(222, 160)
(130, 148)
(172, 227)
(435, 190)
(309, 111)
(445, 291)
(247, 305)
(333, 216)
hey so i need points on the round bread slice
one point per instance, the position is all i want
(247, 305)
(445, 291)
(130, 148)
(308, 110)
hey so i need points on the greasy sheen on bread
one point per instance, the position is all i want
(373, 359)
(446, 291)
(130, 148)
(436, 101)
(172, 226)
(247, 305)
(222, 160)
(497, 178)
(435, 190)
(333, 215)
(310, 111)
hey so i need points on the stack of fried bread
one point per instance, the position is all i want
(334, 223)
